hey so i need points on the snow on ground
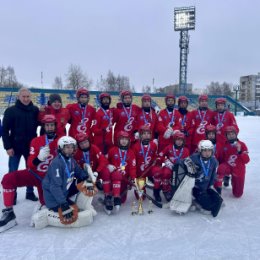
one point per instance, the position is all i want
(234, 234)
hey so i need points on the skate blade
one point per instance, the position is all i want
(107, 211)
(9, 225)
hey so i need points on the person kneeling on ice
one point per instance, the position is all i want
(235, 157)
(42, 151)
(122, 171)
(64, 179)
(206, 166)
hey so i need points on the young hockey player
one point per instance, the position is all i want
(82, 114)
(55, 108)
(125, 116)
(201, 117)
(42, 151)
(147, 116)
(103, 128)
(146, 154)
(90, 154)
(64, 179)
(186, 122)
(122, 168)
(206, 165)
(168, 122)
(171, 156)
(235, 157)
(223, 118)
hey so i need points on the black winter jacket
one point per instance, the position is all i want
(19, 127)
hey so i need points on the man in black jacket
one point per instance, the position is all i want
(19, 128)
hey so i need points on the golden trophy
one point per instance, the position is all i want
(140, 183)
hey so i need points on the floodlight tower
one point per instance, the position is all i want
(184, 20)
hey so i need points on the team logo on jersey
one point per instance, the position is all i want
(76, 113)
(201, 129)
(232, 160)
(128, 127)
(43, 166)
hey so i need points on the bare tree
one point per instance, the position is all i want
(76, 78)
(146, 89)
(215, 88)
(113, 83)
(57, 83)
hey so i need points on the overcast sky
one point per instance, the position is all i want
(134, 38)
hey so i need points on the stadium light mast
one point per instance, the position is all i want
(184, 20)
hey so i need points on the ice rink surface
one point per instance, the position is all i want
(234, 234)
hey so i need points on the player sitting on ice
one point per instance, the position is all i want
(122, 170)
(205, 165)
(64, 179)
(171, 156)
(234, 160)
(42, 151)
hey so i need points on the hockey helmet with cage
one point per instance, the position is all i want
(66, 140)
(205, 145)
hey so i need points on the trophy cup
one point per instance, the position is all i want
(140, 186)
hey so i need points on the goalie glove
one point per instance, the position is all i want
(68, 214)
(190, 166)
(168, 164)
(44, 153)
(87, 188)
(111, 168)
(168, 133)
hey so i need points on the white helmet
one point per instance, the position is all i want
(205, 145)
(64, 140)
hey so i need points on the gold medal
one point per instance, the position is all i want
(122, 167)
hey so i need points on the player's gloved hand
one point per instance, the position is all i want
(44, 153)
(67, 211)
(111, 168)
(137, 136)
(168, 133)
(168, 164)
(190, 166)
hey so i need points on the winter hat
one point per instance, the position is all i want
(53, 98)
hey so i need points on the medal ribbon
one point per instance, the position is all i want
(202, 118)
(122, 160)
(145, 120)
(86, 157)
(176, 157)
(146, 154)
(67, 168)
(221, 119)
(205, 169)
(128, 114)
(171, 116)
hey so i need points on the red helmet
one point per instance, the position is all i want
(182, 99)
(203, 97)
(48, 119)
(82, 91)
(230, 128)
(103, 95)
(210, 128)
(169, 95)
(145, 128)
(220, 101)
(125, 93)
(178, 135)
(146, 97)
(80, 137)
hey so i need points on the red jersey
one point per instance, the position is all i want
(93, 157)
(125, 119)
(167, 119)
(201, 119)
(232, 157)
(173, 154)
(119, 158)
(62, 116)
(35, 146)
(187, 127)
(221, 121)
(81, 118)
(147, 118)
(145, 156)
(102, 130)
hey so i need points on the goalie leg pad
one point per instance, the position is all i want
(85, 203)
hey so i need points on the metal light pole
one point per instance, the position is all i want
(184, 20)
(236, 89)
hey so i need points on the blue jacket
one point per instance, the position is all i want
(60, 175)
(204, 180)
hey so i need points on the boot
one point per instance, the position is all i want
(226, 181)
(108, 203)
(7, 220)
(31, 196)
(156, 194)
